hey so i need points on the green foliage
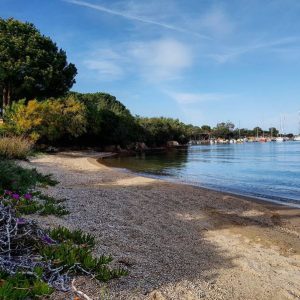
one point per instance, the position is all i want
(17, 181)
(50, 208)
(108, 120)
(157, 131)
(16, 178)
(224, 130)
(49, 120)
(33, 203)
(101, 101)
(75, 249)
(20, 287)
(77, 236)
(79, 259)
(31, 65)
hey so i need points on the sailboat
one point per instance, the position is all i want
(297, 138)
(280, 138)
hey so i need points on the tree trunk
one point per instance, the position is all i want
(9, 95)
(6, 98)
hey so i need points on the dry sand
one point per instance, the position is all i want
(177, 241)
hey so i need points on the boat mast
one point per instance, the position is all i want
(271, 129)
(299, 122)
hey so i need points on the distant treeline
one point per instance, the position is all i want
(99, 119)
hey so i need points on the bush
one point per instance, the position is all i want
(47, 121)
(33, 263)
(18, 179)
(15, 147)
(22, 287)
(31, 203)
(157, 131)
(79, 238)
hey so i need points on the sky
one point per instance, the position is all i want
(202, 61)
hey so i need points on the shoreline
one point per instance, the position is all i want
(262, 200)
(177, 241)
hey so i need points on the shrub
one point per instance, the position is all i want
(32, 262)
(48, 120)
(15, 147)
(19, 287)
(77, 236)
(31, 203)
(18, 179)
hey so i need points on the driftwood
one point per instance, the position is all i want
(79, 293)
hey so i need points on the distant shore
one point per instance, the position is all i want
(178, 241)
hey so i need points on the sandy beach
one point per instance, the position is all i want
(177, 241)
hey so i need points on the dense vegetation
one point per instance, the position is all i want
(99, 119)
(31, 64)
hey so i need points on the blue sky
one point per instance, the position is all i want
(201, 61)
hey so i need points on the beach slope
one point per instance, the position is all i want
(177, 241)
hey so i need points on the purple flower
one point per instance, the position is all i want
(47, 240)
(7, 192)
(21, 221)
(27, 196)
(15, 196)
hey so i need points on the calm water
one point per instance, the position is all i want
(265, 170)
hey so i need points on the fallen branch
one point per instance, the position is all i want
(79, 293)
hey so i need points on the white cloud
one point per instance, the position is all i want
(104, 68)
(156, 61)
(192, 98)
(163, 59)
(106, 63)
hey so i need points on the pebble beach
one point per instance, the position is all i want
(176, 240)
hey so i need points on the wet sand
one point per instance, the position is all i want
(177, 241)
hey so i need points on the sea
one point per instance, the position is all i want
(268, 171)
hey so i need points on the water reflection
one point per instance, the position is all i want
(156, 164)
(267, 170)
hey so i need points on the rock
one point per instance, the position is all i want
(172, 144)
(140, 146)
(51, 149)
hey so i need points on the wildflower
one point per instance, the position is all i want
(15, 196)
(27, 196)
(7, 192)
